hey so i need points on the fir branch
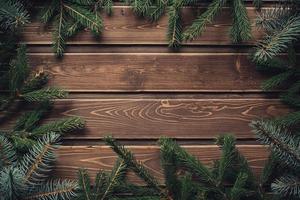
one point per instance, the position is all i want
(278, 80)
(7, 152)
(19, 70)
(29, 120)
(168, 162)
(39, 80)
(35, 164)
(12, 15)
(189, 162)
(227, 156)
(174, 27)
(132, 163)
(84, 185)
(290, 121)
(54, 189)
(283, 143)
(273, 19)
(60, 126)
(84, 17)
(199, 24)
(257, 3)
(116, 177)
(291, 96)
(238, 190)
(101, 182)
(59, 35)
(287, 186)
(241, 27)
(279, 40)
(48, 11)
(11, 183)
(45, 94)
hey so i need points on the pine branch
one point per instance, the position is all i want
(238, 190)
(277, 80)
(54, 189)
(291, 96)
(283, 143)
(116, 177)
(45, 94)
(12, 15)
(279, 41)
(84, 17)
(287, 186)
(189, 162)
(11, 183)
(168, 162)
(35, 164)
(60, 126)
(84, 185)
(132, 163)
(174, 27)
(59, 33)
(48, 11)
(29, 120)
(19, 70)
(258, 3)
(7, 152)
(273, 19)
(290, 121)
(227, 156)
(199, 24)
(241, 27)
(39, 80)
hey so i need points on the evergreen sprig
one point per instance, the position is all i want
(13, 15)
(28, 177)
(283, 143)
(68, 17)
(132, 163)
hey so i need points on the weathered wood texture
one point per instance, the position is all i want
(94, 158)
(150, 71)
(191, 118)
(129, 84)
(123, 27)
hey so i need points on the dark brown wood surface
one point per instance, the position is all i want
(129, 72)
(95, 158)
(129, 84)
(149, 117)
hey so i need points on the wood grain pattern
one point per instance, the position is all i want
(149, 118)
(125, 28)
(94, 158)
(132, 72)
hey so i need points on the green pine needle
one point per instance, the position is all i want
(287, 186)
(54, 189)
(36, 164)
(132, 163)
(45, 94)
(199, 24)
(60, 126)
(174, 27)
(12, 15)
(241, 27)
(7, 152)
(284, 144)
(279, 40)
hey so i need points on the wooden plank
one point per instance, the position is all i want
(94, 158)
(125, 28)
(132, 72)
(149, 118)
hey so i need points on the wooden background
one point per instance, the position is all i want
(128, 84)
